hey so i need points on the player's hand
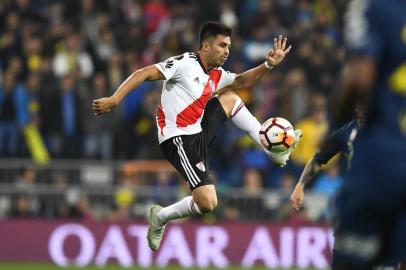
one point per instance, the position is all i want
(297, 196)
(282, 158)
(103, 105)
(278, 52)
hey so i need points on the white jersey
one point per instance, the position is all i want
(185, 93)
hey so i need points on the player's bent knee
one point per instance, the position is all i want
(228, 100)
(205, 197)
(207, 204)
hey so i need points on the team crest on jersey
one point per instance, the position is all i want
(201, 166)
(196, 80)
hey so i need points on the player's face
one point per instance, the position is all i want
(218, 50)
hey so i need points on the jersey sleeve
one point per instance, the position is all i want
(226, 79)
(172, 67)
(364, 27)
(335, 143)
(328, 149)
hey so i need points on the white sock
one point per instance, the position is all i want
(245, 121)
(184, 208)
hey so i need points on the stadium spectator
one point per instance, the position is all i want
(315, 126)
(98, 138)
(12, 114)
(73, 59)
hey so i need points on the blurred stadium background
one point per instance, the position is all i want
(74, 188)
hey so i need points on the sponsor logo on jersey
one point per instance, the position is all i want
(169, 64)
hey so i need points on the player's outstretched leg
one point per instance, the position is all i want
(155, 227)
(244, 120)
(236, 111)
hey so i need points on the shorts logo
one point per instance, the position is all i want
(200, 166)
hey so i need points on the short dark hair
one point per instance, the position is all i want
(212, 29)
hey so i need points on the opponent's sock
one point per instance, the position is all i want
(184, 208)
(245, 121)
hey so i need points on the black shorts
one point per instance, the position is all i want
(189, 153)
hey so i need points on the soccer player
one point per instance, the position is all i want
(193, 107)
(340, 140)
(371, 205)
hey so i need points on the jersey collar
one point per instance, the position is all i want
(201, 63)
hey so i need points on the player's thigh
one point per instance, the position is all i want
(213, 118)
(205, 197)
(227, 100)
(188, 154)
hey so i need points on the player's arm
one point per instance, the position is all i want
(328, 149)
(274, 58)
(150, 73)
(310, 171)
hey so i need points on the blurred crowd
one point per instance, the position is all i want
(68, 193)
(57, 56)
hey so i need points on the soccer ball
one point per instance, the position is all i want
(277, 134)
